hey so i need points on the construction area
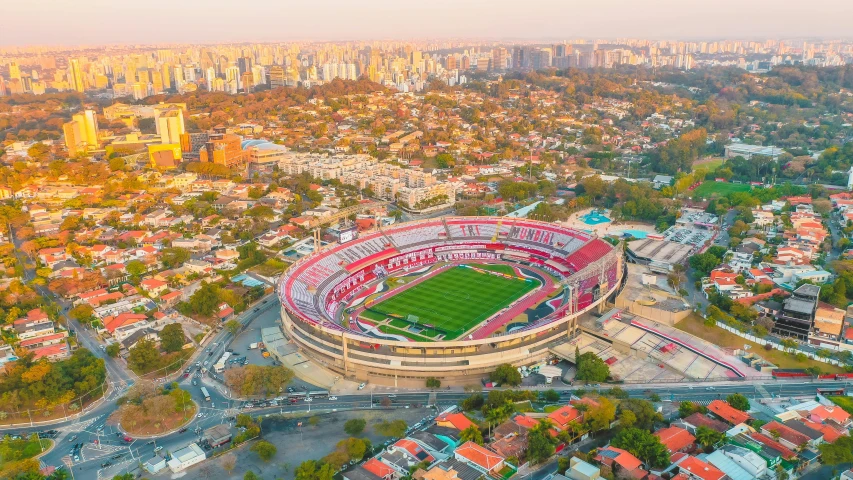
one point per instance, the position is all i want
(636, 355)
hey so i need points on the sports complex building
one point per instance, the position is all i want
(449, 298)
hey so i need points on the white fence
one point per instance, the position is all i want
(775, 345)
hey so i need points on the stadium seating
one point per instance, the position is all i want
(590, 252)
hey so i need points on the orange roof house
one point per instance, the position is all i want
(479, 457)
(610, 455)
(562, 416)
(454, 420)
(111, 323)
(695, 468)
(675, 439)
(727, 412)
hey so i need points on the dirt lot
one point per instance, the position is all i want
(294, 448)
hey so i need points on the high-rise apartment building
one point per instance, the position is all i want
(76, 75)
(223, 149)
(170, 125)
(81, 133)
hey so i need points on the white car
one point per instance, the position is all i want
(309, 399)
(361, 387)
(333, 398)
(199, 415)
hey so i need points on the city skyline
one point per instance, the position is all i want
(45, 23)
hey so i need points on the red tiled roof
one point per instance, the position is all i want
(458, 420)
(49, 350)
(675, 439)
(835, 413)
(112, 323)
(703, 470)
(378, 468)
(727, 412)
(786, 452)
(481, 456)
(624, 458)
(562, 416)
(414, 449)
(786, 432)
(37, 340)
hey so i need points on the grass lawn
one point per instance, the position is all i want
(709, 164)
(716, 335)
(456, 299)
(15, 450)
(506, 269)
(397, 331)
(711, 188)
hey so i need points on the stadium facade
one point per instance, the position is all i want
(317, 291)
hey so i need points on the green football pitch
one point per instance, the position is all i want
(455, 300)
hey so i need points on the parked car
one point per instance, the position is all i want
(361, 386)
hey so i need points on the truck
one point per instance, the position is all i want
(220, 365)
(205, 394)
(255, 345)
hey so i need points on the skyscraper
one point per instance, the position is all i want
(81, 133)
(76, 76)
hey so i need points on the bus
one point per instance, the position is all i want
(830, 391)
(205, 394)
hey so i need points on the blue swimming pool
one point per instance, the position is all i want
(634, 233)
(247, 280)
(594, 218)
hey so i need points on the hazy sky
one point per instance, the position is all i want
(26, 22)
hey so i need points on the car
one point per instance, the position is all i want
(309, 399)
(76, 458)
(290, 389)
(158, 449)
(333, 398)
(150, 443)
(229, 350)
(361, 386)
(293, 400)
(72, 438)
(199, 415)
(710, 388)
(106, 464)
(186, 375)
(195, 382)
(391, 395)
(182, 430)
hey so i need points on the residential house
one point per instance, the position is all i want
(581, 470)
(728, 413)
(124, 324)
(696, 469)
(153, 286)
(676, 439)
(696, 420)
(454, 420)
(611, 455)
(480, 458)
(786, 435)
(450, 469)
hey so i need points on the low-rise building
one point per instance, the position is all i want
(186, 457)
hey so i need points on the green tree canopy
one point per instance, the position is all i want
(172, 338)
(643, 445)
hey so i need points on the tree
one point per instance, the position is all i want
(704, 263)
(433, 382)
(627, 419)
(506, 374)
(205, 301)
(229, 461)
(233, 326)
(250, 475)
(738, 401)
(38, 152)
(313, 470)
(355, 426)
(83, 313)
(394, 428)
(685, 409)
(172, 338)
(135, 268)
(143, 356)
(599, 417)
(113, 349)
(540, 442)
(174, 256)
(471, 434)
(840, 451)
(551, 395)
(644, 412)
(591, 368)
(708, 436)
(265, 450)
(643, 445)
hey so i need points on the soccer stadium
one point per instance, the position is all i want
(450, 298)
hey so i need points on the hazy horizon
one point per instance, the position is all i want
(93, 22)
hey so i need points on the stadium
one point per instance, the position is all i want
(449, 298)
